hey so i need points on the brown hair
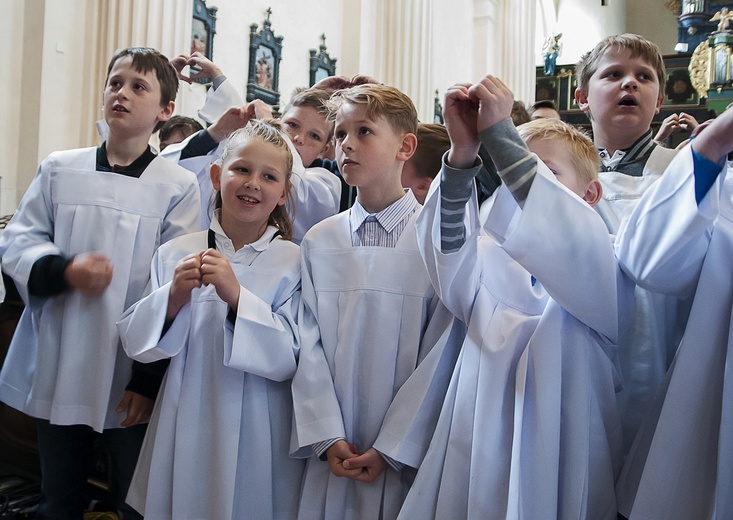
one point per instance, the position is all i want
(314, 98)
(584, 154)
(379, 101)
(183, 124)
(333, 83)
(269, 131)
(432, 143)
(639, 46)
(145, 59)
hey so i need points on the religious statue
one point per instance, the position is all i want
(725, 16)
(552, 49)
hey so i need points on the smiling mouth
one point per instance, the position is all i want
(248, 200)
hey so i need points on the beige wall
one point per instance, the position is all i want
(51, 94)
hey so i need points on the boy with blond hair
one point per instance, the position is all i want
(621, 88)
(369, 317)
(529, 427)
(79, 249)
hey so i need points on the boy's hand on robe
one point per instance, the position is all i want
(186, 277)
(139, 408)
(233, 119)
(460, 113)
(89, 273)
(337, 453)
(371, 464)
(216, 270)
(715, 140)
(495, 102)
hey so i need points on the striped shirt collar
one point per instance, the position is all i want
(641, 149)
(389, 217)
(224, 244)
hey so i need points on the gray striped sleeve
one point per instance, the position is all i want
(456, 187)
(517, 166)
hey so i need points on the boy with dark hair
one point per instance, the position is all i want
(424, 165)
(79, 249)
(176, 129)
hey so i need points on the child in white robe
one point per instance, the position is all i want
(369, 318)
(223, 307)
(529, 427)
(679, 241)
(79, 250)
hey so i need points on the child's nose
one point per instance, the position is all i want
(630, 82)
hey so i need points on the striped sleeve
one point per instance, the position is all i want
(455, 191)
(517, 166)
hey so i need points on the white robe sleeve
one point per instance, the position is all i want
(219, 101)
(564, 244)
(30, 234)
(316, 407)
(184, 216)
(317, 195)
(263, 342)
(455, 276)
(141, 325)
(663, 243)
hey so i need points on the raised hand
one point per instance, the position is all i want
(494, 101)
(460, 114)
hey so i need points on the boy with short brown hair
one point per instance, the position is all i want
(79, 249)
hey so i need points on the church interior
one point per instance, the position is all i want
(58, 50)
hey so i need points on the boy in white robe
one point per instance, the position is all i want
(78, 248)
(679, 240)
(369, 317)
(620, 88)
(529, 427)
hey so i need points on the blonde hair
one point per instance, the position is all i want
(269, 131)
(639, 46)
(315, 98)
(583, 152)
(379, 101)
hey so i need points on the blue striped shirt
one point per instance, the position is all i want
(381, 229)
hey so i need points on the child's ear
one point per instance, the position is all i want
(409, 145)
(660, 99)
(215, 174)
(593, 192)
(166, 111)
(323, 153)
(581, 98)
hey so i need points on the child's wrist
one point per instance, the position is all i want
(462, 158)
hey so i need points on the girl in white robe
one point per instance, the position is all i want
(223, 307)
(679, 240)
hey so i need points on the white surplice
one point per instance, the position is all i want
(681, 465)
(65, 362)
(370, 317)
(217, 444)
(647, 348)
(529, 428)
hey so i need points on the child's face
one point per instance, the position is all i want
(622, 95)
(252, 182)
(369, 151)
(557, 156)
(309, 132)
(132, 100)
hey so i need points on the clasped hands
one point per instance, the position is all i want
(345, 460)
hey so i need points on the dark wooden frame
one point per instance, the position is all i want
(204, 19)
(266, 49)
(321, 61)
